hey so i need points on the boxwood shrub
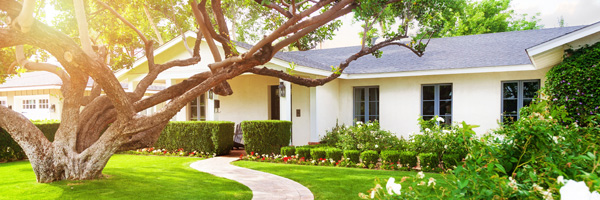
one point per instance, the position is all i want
(354, 155)
(408, 159)
(10, 150)
(202, 136)
(390, 156)
(429, 160)
(334, 153)
(369, 157)
(317, 153)
(288, 151)
(303, 152)
(266, 136)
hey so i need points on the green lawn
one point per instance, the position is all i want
(333, 182)
(129, 177)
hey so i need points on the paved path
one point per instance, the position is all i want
(263, 185)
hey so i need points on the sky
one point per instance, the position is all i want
(574, 12)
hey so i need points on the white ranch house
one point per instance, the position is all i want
(476, 79)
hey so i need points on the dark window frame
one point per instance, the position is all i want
(520, 96)
(366, 114)
(436, 100)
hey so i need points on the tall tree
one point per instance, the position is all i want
(486, 16)
(109, 122)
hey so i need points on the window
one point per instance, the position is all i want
(436, 100)
(198, 109)
(3, 101)
(29, 104)
(366, 103)
(43, 103)
(515, 95)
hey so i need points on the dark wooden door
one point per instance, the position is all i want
(274, 102)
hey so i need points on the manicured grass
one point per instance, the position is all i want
(127, 177)
(334, 182)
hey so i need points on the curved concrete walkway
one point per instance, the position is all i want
(263, 185)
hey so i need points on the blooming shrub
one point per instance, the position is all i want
(442, 139)
(363, 136)
(575, 83)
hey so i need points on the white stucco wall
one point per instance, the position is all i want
(250, 99)
(15, 99)
(476, 98)
(327, 107)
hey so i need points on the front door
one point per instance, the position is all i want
(274, 99)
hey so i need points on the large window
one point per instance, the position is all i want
(198, 109)
(28, 104)
(3, 101)
(515, 95)
(366, 103)
(436, 100)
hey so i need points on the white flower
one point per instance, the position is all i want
(547, 195)
(420, 175)
(376, 146)
(560, 180)
(427, 130)
(372, 194)
(393, 187)
(574, 190)
(536, 187)
(439, 119)
(359, 122)
(446, 131)
(431, 181)
(445, 146)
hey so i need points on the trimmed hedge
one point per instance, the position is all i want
(303, 152)
(334, 153)
(318, 153)
(266, 136)
(354, 155)
(10, 150)
(408, 158)
(288, 151)
(202, 136)
(390, 156)
(429, 160)
(369, 157)
(451, 160)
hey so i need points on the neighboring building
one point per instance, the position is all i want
(37, 95)
(477, 79)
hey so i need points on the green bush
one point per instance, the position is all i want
(334, 153)
(451, 160)
(266, 136)
(206, 136)
(408, 158)
(10, 150)
(575, 83)
(318, 153)
(429, 160)
(367, 136)
(354, 155)
(390, 156)
(332, 137)
(288, 151)
(303, 152)
(369, 157)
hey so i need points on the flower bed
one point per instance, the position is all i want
(163, 152)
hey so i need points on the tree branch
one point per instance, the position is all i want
(116, 14)
(64, 77)
(275, 7)
(83, 28)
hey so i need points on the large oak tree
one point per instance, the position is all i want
(96, 125)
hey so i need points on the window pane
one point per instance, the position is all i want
(373, 118)
(445, 107)
(428, 108)
(526, 102)
(511, 90)
(373, 94)
(447, 119)
(202, 99)
(360, 118)
(359, 94)
(428, 92)
(373, 108)
(445, 92)
(510, 106)
(509, 119)
(530, 89)
(427, 117)
(359, 108)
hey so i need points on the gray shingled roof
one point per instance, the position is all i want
(42, 78)
(485, 50)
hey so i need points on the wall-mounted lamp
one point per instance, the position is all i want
(53, 108)
(210, 94)
(10, 107)
(281, 89)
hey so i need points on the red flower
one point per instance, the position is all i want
(252, 153)
(263, 158)
(241, 156)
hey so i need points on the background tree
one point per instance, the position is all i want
(486, 16)
(96, 125)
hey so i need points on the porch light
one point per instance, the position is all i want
(281, 89)
(53, 108)
(210, 94)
